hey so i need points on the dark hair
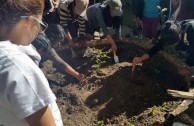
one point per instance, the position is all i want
(107, 15)
(170, 33)
(11, 10)
(55, 32)
(42, 42)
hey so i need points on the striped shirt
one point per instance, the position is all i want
(65, 17)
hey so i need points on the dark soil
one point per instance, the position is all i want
(115, 96)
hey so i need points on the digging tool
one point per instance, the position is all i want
(73, 53)
(116, 59)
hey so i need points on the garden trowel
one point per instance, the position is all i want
(116, 59)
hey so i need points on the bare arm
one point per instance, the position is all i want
(77, 75)
(63, 65)
(112, 42)
(137, 60)
(43, 117)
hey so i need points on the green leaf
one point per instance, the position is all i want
(101, 123)
(129, 124)
(96, 66)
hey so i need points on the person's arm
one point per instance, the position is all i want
(81, 21)
(43, 117)
(151, 52)
(105, 30)
(137, 60)
(65, 16)
(77, 75)
(112, 42)
(63, 65)
(155, 49)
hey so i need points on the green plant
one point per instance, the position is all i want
(99, 58)
(96, 101)
(153, 110)
(130, 124)
(164, 104)
(100, 123)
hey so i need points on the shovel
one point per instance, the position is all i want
(116, 59)
(73, 53)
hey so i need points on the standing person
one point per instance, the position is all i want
(151, 18)
(72, 13)
(171, 34)
(102, 16)
(26, 98)
(147, 11)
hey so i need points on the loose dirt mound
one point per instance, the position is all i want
(115, 96)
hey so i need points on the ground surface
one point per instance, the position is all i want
(115, 96)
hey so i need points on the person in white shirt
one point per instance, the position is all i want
(25, 96)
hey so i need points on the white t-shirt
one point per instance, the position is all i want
(23, 87)
(31, 51)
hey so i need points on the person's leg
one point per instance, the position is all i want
(155, 23)
(146, 27)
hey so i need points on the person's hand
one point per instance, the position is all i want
(83, 79)
(136, 60)
(114, 47)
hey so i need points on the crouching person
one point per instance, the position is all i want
(42, 45)
(171, 34)
(102, 16)
(72, 13)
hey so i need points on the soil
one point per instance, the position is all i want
(115, 96)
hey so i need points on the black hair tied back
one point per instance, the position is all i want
(170, 33)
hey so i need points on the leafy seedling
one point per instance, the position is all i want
(100, 123)
(164, 104)
(153, 110)
(99, 58)
(96, 101)
(130, 124)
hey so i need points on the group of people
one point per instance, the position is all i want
(26, 98)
